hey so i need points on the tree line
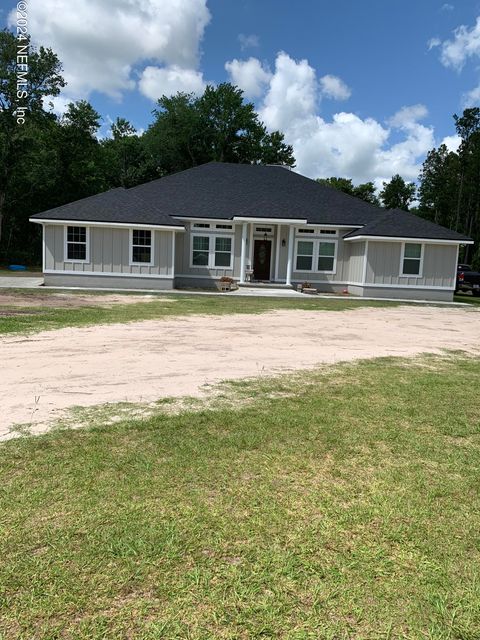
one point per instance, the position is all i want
(54, 159)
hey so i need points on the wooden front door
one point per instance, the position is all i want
(262, 252)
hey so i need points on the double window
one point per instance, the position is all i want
(76, 241)
(316, 255)
(212, 251)
(412, 260)
(141, 250)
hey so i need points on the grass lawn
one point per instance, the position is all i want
(38, 318)
(333, 505)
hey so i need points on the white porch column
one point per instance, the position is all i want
(291, 233)
(243, 257)
(173, 253)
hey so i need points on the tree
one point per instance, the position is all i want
(364, 191)
(79, 154)
(21, 106)
(127, 161)
(397, 194)
(218, 125)
(341, 184)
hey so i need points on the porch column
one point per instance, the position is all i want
(243, 257)
(291, 233)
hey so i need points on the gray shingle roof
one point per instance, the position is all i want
(396, 223)
(223, 190)
(117, 205)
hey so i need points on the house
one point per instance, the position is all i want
(264, 223)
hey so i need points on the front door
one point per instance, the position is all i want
(262, 252)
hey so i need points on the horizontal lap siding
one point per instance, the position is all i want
(439, 265)
(109, 252)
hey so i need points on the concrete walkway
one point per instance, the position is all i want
(20, 282)
(28, 282)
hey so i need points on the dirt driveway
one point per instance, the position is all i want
(47, 373)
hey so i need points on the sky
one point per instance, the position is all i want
(360, 89)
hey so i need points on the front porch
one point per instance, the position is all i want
(267, 249)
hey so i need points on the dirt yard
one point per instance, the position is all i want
(50, 372)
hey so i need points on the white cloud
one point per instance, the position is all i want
(350, 146)
(100, 43)
(433, 42)
(472, 98)
(156, 82)
(447, 7)
(56, 104)
(452, 142)
(248, 42)
(250, 75)
(465, 44)
(292, 93)
(335, 88)
(407, 117)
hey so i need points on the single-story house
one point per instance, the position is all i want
(264, 224)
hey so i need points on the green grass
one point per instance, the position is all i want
(341, 504)
(50, 317)
(466, 298)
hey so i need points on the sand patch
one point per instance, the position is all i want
(47, 373)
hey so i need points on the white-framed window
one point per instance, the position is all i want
(326, 257)
(304, 259)
(141, 247)
(77, 243)
(315, 255)
(306, 230)
(223, 226)
(201, 225)
(267, 230)
(328, 232)
(213, 251)
(223, 252)
(411, 261)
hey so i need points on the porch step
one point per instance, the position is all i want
(265, 285)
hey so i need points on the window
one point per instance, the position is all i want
(263, 229)
(304, 256)
(201, 225)
(326, 256)
(223, 252)
(306, 231)
(223, 226)
(316, 255)
(77, 244)
(141, 246)
(212, 251)
(412, 257)
(328, 232)
(201, 247)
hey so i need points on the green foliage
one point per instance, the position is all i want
(218, 125)
(25, 153)
(341, 504)
(449, 191)
(397, 194)
(364, 191)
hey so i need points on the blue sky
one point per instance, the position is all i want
(361, 89)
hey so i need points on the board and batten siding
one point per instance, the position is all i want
(439, 265)
(342, 271)
(109, 252)
(183, 252)
(357, 261)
